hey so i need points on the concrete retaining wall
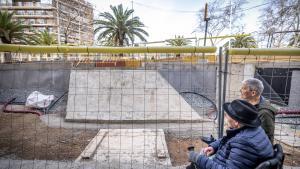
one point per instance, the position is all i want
(200, 78)
(19, 80)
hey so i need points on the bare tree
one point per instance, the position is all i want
(70, 17)
(280, 16)
(221, 14)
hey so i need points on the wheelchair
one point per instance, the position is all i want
(275, 162)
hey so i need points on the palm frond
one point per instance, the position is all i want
(119, 26)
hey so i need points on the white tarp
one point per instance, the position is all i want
(38, 100)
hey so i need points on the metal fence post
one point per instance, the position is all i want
(221, 117)
(220, 90)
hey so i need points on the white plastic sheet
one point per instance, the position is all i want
(38, 100)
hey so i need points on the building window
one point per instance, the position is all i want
(39, 12)
(31, 21)
(30, 12)
(6, 2)
(50, 29)
(37, 4)
(20, 12)
(40, 21)
(28, 3)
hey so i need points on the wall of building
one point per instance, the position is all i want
(75, 21)
(73, 18)
(294, 100)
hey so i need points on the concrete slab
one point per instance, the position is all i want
(125, 96)
(131, 147)
(186, 130)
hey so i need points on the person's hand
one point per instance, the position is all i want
(208, 151)
(193, 156)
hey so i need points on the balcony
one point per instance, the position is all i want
(34, 16)
(26, 7)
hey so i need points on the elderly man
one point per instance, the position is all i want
(251, 91)
(245, 145)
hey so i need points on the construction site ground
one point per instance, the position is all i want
(27, 137)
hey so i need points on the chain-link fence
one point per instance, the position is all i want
(140, 107)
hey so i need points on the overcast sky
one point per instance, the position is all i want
(166, 18)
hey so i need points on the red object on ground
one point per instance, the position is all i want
(19, 111)
(288, 111)
(110, 63)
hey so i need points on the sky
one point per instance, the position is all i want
(166, 18)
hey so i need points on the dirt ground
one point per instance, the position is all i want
(177, 148)
(292, 155)
(25, 136)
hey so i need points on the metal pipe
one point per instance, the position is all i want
(89, 49)
(284, 111)
(19, 111)
(219, 91)
(224, 93)
(58, 99)
(225, 36)
(265, 51)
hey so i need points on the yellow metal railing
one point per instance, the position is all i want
(251, 55)
(237, 55)
(265, 51)
(88, 49)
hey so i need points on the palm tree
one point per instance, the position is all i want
(42, 38)
(178, 41)
(120, 27)
(11, 31)
(242, 41)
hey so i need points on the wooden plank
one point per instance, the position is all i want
(162, 149)
(90, 149)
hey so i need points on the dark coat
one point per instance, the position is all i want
(266, 113)
(242, 148)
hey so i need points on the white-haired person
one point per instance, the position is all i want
(245, 145)
(251, 91)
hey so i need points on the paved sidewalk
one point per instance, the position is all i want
(43, 164)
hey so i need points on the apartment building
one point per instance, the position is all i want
(70, 20)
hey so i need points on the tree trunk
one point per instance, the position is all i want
(66, 39)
